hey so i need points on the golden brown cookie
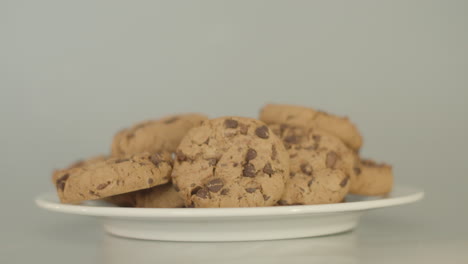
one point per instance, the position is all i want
(162, 196)
(113, 176)
(230, 162)
(156, 135)
(320, 166)
(300, 116)
(372, 179)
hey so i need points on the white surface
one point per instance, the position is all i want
(72, 73)
(232, 224)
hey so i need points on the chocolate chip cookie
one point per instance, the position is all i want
(230, 162)
(372, 178)
(113, 176)
(340, 127)
(320, 166)
(156, 135)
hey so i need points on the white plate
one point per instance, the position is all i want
(232, 224)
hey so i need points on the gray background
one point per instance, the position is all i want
(74, 72)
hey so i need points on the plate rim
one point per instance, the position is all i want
(410, 195)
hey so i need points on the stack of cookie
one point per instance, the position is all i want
(291, 156)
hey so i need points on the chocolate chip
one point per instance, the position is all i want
(61, 181)
(94, 193)
(243, 129)
(235, 164)
(121, 160)
(316, 138)
(292, 174)
(357, 170)
(250, 190)
(262, 132)
(195, 190)
(130, 136)
(229, 123)
(344, 182)
(282, 202)
(156, 159)
(266, 197)
(310, 182)
(215, 185)
(268, 169)
(176, 188)
(207, 141)
(249, 170)
(313, 147)
(181, 156)
(306, 169)
(293, 139)
(224, 191)
(150, 181)
(171, 120)
(274, 153)
(202, 193)
(103, 185)
(332, 157)
(212, 161)
(251, 154)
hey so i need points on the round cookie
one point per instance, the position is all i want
(156, 135)
(230, 162)
(300, 116)
(320, 166)
(162, 196)
(113, 176)
(372, 179)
